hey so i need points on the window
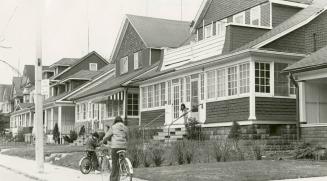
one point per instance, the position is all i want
(169, 92)
(262, 77)
(221, 83)
(281, 81)
(110, 108)
(136, 60)
(292, 88)
(232, 80)
(221, 28)
(95, 111)
(84, 110)
(211, 84)
(239, 18)
(93, 66)
(124, 65)
(150, 96)
(89, 110)
(255, 15)
(156, 95)
(132, 105)
(163, 93)
(244, 78)
(77, 111)
(102, 106)
(144, 97)
(208, 31)
(202, 86)
(188, 89)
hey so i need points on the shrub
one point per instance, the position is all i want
(146, 158)
(56, 133)
(304, 151)
(235, 131)
(193, 130)
(82, 131)
(226, 149)
(135, 153)
(72, 135)
(190, 147)
(217, 150)
(20, 136)
(157, 154)
(178, 151)
(257, 148)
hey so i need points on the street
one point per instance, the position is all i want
(7, 174)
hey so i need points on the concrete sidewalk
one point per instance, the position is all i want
(306, 179)
(51, 172)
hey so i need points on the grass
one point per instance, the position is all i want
(28, 151)
(235, 171)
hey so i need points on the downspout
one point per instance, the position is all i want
(298, 130)
(125, 99)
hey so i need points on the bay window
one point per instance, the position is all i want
(281, 81)
(262, 77)
(150, 96)
(244, 78)
(156, 95)
(221, 83)
(211, 85)
(163, 93)
(232, 80)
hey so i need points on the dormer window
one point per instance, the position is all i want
(221, 27)
(208, 31)
(239, 18)
(124, 65)
(93, 66)
(255, 15)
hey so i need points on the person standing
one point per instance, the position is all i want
(184, 113)
(118, 134)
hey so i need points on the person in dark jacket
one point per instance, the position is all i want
(91, 144)
(118, 134)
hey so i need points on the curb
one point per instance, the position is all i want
(22, 173)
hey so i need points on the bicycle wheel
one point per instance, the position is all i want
(85, 165)
(126, 170)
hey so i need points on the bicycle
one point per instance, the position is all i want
(104, 159)
(125, 166)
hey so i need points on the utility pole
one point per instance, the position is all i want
(39, 150)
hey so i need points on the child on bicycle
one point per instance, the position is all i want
(118, 134)
(91, 144)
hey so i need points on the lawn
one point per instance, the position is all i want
(235, 171)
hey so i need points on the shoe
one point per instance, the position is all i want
(97, 172)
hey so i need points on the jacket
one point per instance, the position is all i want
(118, 133)
(91, 144)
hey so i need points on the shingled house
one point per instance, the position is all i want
(232, 70)
(137, 50)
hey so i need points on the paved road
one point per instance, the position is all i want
(12, 176)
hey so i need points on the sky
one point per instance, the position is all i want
(65, 27)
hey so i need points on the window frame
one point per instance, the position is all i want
(253, 18)
(239, 15)
(93, 64)
(209, 28)
(136, 63)
(221, 27)
(123, 62)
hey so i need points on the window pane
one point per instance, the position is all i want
(281, 81)
(145, 97)
(262, 77)
(136, 60)
(221, 81)
(156, 95)
(232, 81)
(150, 96)
(211, 84)
(244, 78)
(208, 31)
(255, 15)
(188, 89)
(163, 93)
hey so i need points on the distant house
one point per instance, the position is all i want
(138, 49)
(232, 71)
(311, 76)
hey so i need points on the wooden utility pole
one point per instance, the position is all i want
(39, 150)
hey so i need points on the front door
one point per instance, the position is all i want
(194, 99)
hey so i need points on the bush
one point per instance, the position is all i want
(56, 133)
(157, 154)
(82, 131)
(20, 136)
(190, 147)
(135, 153)
(217, 150)
(193, 130)
(178, 151)
(146, 158)
(304, 151)
(257, 148)
(235, 131)
(72, 135)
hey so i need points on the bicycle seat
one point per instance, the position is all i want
(121, 151)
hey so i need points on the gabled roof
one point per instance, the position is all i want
(64, 62)
(297, 21)
(114, 82)
(314, 61)
(79, 61)
(154, 32)
(227, 8)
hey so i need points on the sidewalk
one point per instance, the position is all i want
(51, 172)
(306, 179)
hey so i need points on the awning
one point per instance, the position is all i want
(116, 94)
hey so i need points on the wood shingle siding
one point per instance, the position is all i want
(281, 13)
(265, 14)
(275, 109)
(148, 116)
(227, 111)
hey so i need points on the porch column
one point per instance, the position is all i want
(302, 102)
(52, 118)
(125, 105)
(252, 115)
(45, 120)
(59, 120)
(30, 117)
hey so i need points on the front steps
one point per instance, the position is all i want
(173, 134)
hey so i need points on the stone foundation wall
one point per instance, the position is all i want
(315, 135)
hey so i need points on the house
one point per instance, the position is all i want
(5, 106)
(311, 76)
(232, 71)
(70, 75)
(137, 50)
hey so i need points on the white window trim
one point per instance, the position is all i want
(93, 64)
(211, 31)
(136, 66)
(122, 65)
(252, 16)
(238, 15)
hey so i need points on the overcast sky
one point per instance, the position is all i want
(65, 27)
